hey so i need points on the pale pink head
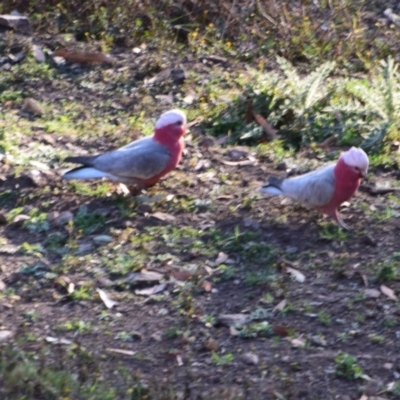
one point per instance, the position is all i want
(171, 126)
(357, 160)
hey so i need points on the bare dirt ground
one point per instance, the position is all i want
(302, 291)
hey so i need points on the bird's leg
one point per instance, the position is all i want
(135, 190)
(130, 190)
(336, 216)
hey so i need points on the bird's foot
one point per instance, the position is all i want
(135, 190)
(341, 223)
(130, 190)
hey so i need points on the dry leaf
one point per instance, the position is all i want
(83, 57)
(364, 278)
(195, 122)
(179, 360)
(160, 77)
(32, 106)
(269, 131)
(222, 257)
(296, 274)
(182, 275)
(163, 216)
(54, 340)
(121, 351)
(233, 331)
(280, 330)
(327, 142)
(106, 300)
(150, 291)
(144, 276)
(298, 342)
(208, 269)
(364, 397)
(388, 292)
(207, 286)
(280, 306)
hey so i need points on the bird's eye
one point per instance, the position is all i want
(357, 169)
(179, 123)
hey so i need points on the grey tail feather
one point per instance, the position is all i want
(275, 182)
(76, 169)
(85, 160)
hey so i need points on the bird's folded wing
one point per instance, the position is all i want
(314, 189)
(142, 161)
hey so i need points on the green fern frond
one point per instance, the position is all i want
(315, 90)
(289, 70)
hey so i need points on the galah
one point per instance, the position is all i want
(325, 188)
(141, 163)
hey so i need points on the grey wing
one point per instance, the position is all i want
(142, 159)
(314, 189)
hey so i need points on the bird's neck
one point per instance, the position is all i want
(168, 136)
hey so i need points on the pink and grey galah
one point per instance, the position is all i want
(141, 163)
(325, 188)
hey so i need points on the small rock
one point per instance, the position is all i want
(38, 53)
(281, 166)
(210, 344)
(104, 282)
(178, 76)
(318, 340)
(250, 358)
(102, 239)
(372, 293)
(291, 249)
(63, 218)
(388, 366)
(84, 248)
(52, 215)
(62, 282)
(145, 208)
(16, 57)
(367, 240)
(2, 285)
(4, 335)
(47, 139)
(3, 219)
(157, 337)
(16, 22)
(234, 319)
(9, 249)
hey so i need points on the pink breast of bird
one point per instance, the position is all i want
(173, 140)
(347, 181)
